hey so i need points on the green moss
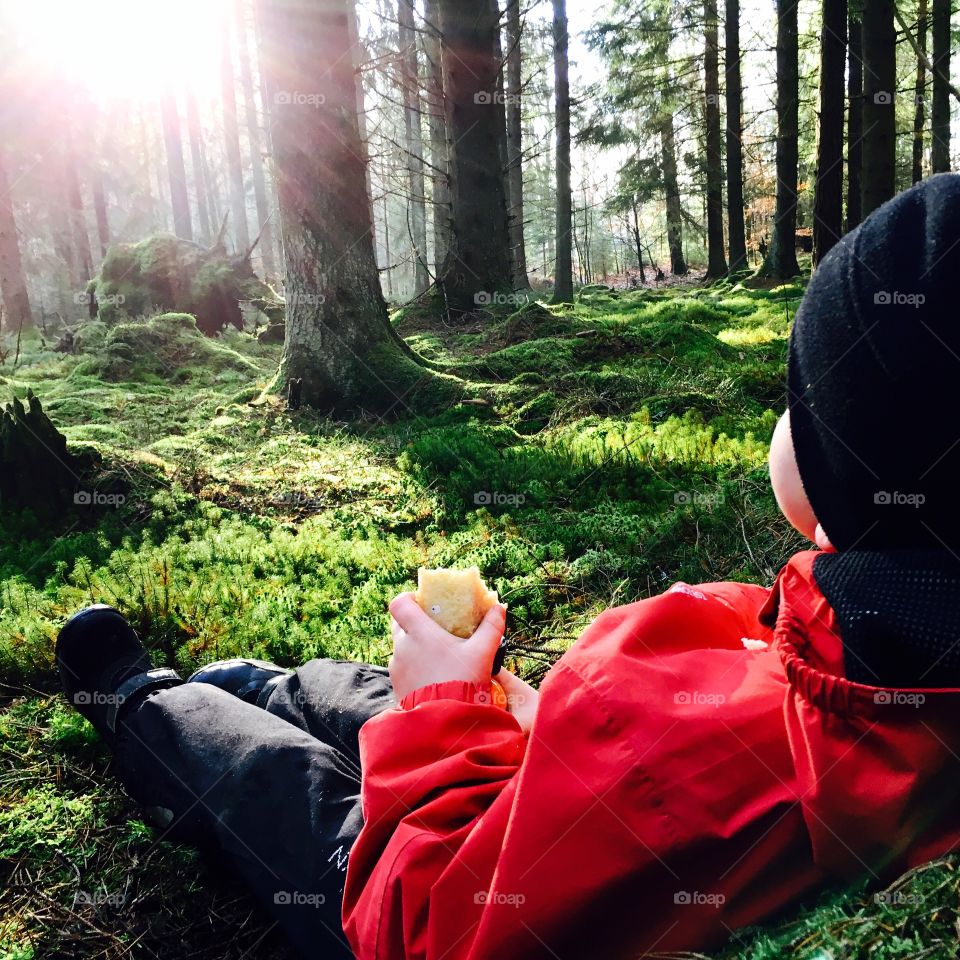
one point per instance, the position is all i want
(163, 348)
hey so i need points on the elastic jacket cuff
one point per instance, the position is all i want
(462, 690)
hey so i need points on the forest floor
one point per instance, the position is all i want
(605, 450)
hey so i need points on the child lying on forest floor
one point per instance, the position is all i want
(696, 762)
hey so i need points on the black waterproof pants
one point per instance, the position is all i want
(276, 791)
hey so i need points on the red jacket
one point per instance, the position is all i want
(677, 784)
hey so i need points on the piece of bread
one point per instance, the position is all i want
(456, 599)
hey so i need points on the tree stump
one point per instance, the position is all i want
(36, 470)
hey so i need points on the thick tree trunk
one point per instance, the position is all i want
(518, 252)
(671, 196)
(439, 143)
(100, 207)
(413, 131)
(879, 111)
(13, 286)
(734, 97)
(176, 170)
(716, 261)
(196, 166)
(478, 260)
(231, 140)
(563, 288)
(919, 95)
(828, 193)
(340, 351)
(854, 121)
(781, 260)
(265, 246)
(940, 112)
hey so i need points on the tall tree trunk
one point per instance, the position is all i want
(358, 61)
(854, 120)
(518, 253)
(78, 221)
(637, 238)
(500, 93)
(176, 171)
(196, 165)
(413, 130)
(563, 288)
(100, 207)
(828, 193)
(940, 112)
(671, 195)
(439, 144)
(716, 261)
(13, 286)
(879, 112)
(734, 96)
(231, 139)
(478, 260)
(340, 351)
(144, 148)
(265, 246)
(919, 95)
(781, 260)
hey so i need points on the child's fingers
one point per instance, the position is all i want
(409, 614)
(512, 684)
(490, 631)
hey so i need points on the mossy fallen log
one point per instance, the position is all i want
(164, 273)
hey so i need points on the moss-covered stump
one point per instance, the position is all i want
(166, 348)
(165, 273)
(36, 470)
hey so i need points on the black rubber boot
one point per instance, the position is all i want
(104, 668)
(251, 680)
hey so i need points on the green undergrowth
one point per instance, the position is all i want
(596, 453)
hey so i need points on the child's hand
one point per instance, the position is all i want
(522, 699)
(424, 653)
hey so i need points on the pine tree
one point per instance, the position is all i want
(781, 260)
(828, 192)
(716, 261)
(734, 98)
(879, 98)
(563, 283)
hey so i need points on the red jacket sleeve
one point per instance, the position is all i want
(431, 769)
(651, 809)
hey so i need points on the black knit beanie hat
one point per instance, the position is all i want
(874, 377)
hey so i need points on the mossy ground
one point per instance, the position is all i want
(618, 448)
